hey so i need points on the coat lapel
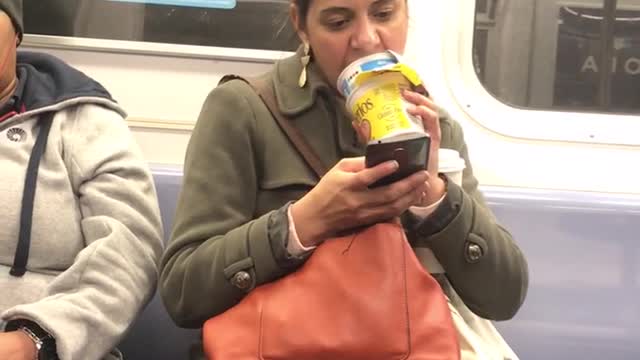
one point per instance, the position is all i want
(317, 110)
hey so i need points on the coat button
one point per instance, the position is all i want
(474, 252)
(241, 280)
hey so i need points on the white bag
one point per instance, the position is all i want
(479, 339)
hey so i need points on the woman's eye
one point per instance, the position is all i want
(383, 15)
(337, 24)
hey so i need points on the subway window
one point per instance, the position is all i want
(246, 24)
(581, 55)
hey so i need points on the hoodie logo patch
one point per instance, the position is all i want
(16, 134)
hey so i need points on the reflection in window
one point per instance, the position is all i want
(547, 54)
(252, 24)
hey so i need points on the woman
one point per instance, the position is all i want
(251, 211)
(74, 278)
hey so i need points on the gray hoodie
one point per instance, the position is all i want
(96, 234)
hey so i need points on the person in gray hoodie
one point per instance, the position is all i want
(80, 228)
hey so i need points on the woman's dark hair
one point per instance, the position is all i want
(303, 10)
(286, 30)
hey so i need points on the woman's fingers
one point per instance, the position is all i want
(427, 111)
(390, 193)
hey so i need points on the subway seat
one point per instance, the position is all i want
(584, 261)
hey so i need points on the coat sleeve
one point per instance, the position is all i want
(216, 234)
(480, 257)
(90, 305)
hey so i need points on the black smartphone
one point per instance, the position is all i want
(411, 154)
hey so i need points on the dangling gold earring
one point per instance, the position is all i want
(305, 62)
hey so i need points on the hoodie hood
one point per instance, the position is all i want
(52, 85)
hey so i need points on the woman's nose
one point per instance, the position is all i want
(365, 37)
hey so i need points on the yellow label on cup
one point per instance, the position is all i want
(409, 73)
(380, 112)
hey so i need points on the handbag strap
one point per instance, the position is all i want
(28, 195)
(266, 93)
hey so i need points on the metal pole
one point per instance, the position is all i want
(606, 53)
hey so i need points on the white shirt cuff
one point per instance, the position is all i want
(294, 246)
(422, 212)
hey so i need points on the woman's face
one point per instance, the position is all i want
(342, 31)
(7, 53)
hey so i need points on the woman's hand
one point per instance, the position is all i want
(428, 112)
(342, 199)
(16, 345)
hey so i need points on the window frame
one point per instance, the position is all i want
(480, 105)
(151, 48)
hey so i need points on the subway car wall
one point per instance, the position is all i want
(515, 68)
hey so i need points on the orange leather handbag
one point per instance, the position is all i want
(361, 296)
